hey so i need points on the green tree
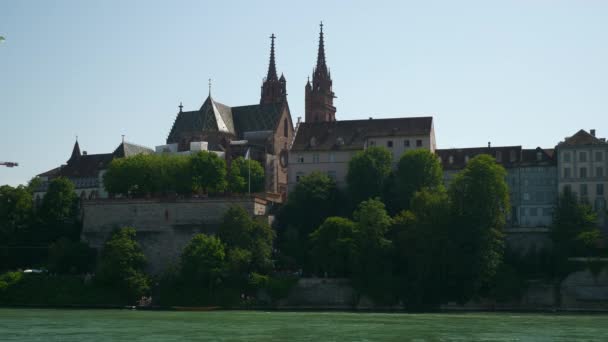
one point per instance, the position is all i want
(421, 250)
(203, 261)
(480, 203)
(70, 257)
(208, 172)
(58, 213)
(333, 247)
(417, 169)
(238, 179)
(573, 233)
(16, 211)
(368, 172)
(372, 270)
(249, 238)
(314, 198)
(121, 265)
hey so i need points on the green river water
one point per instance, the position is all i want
(124, 325)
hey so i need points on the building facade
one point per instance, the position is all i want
(582, 165)
(531, 178)
(328, 146)
(86, 170)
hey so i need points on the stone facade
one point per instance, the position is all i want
(163, 227)
(531, 177)
(327, 147)
(583, 168)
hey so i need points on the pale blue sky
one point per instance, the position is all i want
(524, 72)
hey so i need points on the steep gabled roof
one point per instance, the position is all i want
(86, 166)
(581, 137)
(253, 118)
(351, 134)
(211, 117)
(127, 149)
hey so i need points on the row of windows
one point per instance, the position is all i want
(582, 172)
(584, 190)
(315, 158)
(389, 143)
(533, 211)
(532, 181)
(540, 196)
(582, 156)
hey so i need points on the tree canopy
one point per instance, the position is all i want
(417, 169)
(479, 205)
(314, 198)
(368, 172)
(122, 264)
(238, 179)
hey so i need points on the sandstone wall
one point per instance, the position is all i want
(163, 227)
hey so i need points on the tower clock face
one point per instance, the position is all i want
(284, 158)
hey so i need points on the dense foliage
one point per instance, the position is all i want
(241, 172)
(162, 174)
(121, 265)
(368, 172)
(26, 231)
(313, 199)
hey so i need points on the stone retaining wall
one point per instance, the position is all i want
(163, 227)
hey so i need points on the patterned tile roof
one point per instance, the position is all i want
(217, 117)
(127, 149)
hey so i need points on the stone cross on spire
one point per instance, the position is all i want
(272, 69)
(273, 89)
(321, 66)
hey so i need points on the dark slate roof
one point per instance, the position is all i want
(351, 134)
(531, 157)
(217, 117)
(127, 149)
(211, 117)
(50, 173)
(87, 165)
(260, 117)
(459, 155)
(582, 137)
(510, 156)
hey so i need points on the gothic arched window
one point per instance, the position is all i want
(285, 131)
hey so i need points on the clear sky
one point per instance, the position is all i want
(526, 72)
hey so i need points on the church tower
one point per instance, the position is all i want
(274, 89)
(319, 97)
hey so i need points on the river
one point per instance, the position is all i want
(125, 325)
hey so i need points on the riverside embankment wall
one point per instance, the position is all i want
(581, 290)
(163, 226)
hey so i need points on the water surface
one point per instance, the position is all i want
(124, 325)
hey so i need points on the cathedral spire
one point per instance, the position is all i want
(75, 151)
(319, 96)
(273, 89)
(272, 69)
(321, 53)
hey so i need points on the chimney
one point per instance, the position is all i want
(489, 144)
(592, 131)
(84, 153)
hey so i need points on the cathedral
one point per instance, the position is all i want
(264, 129)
